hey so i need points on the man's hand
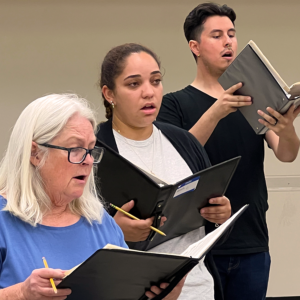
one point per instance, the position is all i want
(224, 105)
(282, 125)
(133, 230)
(282, 137)
(228, 103)
(171, 296)
(219, 213)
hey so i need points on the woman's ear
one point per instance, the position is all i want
(35, 158)
(108, 95)
(194, 46)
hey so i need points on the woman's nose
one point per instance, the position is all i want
(148, 91)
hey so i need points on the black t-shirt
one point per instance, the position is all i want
(232, 137)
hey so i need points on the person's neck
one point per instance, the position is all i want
(131, 132)
(207, 82)
(60, 216)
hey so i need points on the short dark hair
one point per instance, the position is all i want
(114, 64)
(193, 25)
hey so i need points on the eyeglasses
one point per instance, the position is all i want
(78, 154)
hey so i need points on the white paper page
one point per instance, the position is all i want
(268, 65)
(295, 90)
(197, 249)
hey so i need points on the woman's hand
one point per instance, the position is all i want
(163, 219)
(133, 230)
(218, 213)
(38, 287)
(154, 291)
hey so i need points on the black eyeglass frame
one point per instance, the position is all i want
(87, 151)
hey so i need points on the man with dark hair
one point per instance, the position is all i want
(211, 115)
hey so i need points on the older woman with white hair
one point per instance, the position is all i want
(48, 200)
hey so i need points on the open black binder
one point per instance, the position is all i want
(121, 181)
(117, 274)
(261, 82)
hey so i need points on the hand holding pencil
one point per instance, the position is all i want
(37, 286)
(134, 230)
(51, 279)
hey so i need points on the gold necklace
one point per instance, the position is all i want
(133, 150)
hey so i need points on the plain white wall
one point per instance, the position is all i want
(49, 46)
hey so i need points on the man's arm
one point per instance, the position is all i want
(282, 137)
(171, 113)
(205, 126)
(226, 104)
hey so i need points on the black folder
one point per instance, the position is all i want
(120, 181)
(261, 82)
(117, 274)
(120, 274)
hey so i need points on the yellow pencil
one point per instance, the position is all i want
(51, 279)
(135, 218)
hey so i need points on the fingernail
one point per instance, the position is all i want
(211, 200)
(203, 211)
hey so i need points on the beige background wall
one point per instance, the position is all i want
(51, 46)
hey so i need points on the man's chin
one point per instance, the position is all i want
(223, 68)
(221, 71)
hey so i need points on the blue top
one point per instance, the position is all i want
(22, 246)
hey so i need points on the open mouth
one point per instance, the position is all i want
(227, 54)
(81, 177)
(148, 107)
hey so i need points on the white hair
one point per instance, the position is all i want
(41, 121)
